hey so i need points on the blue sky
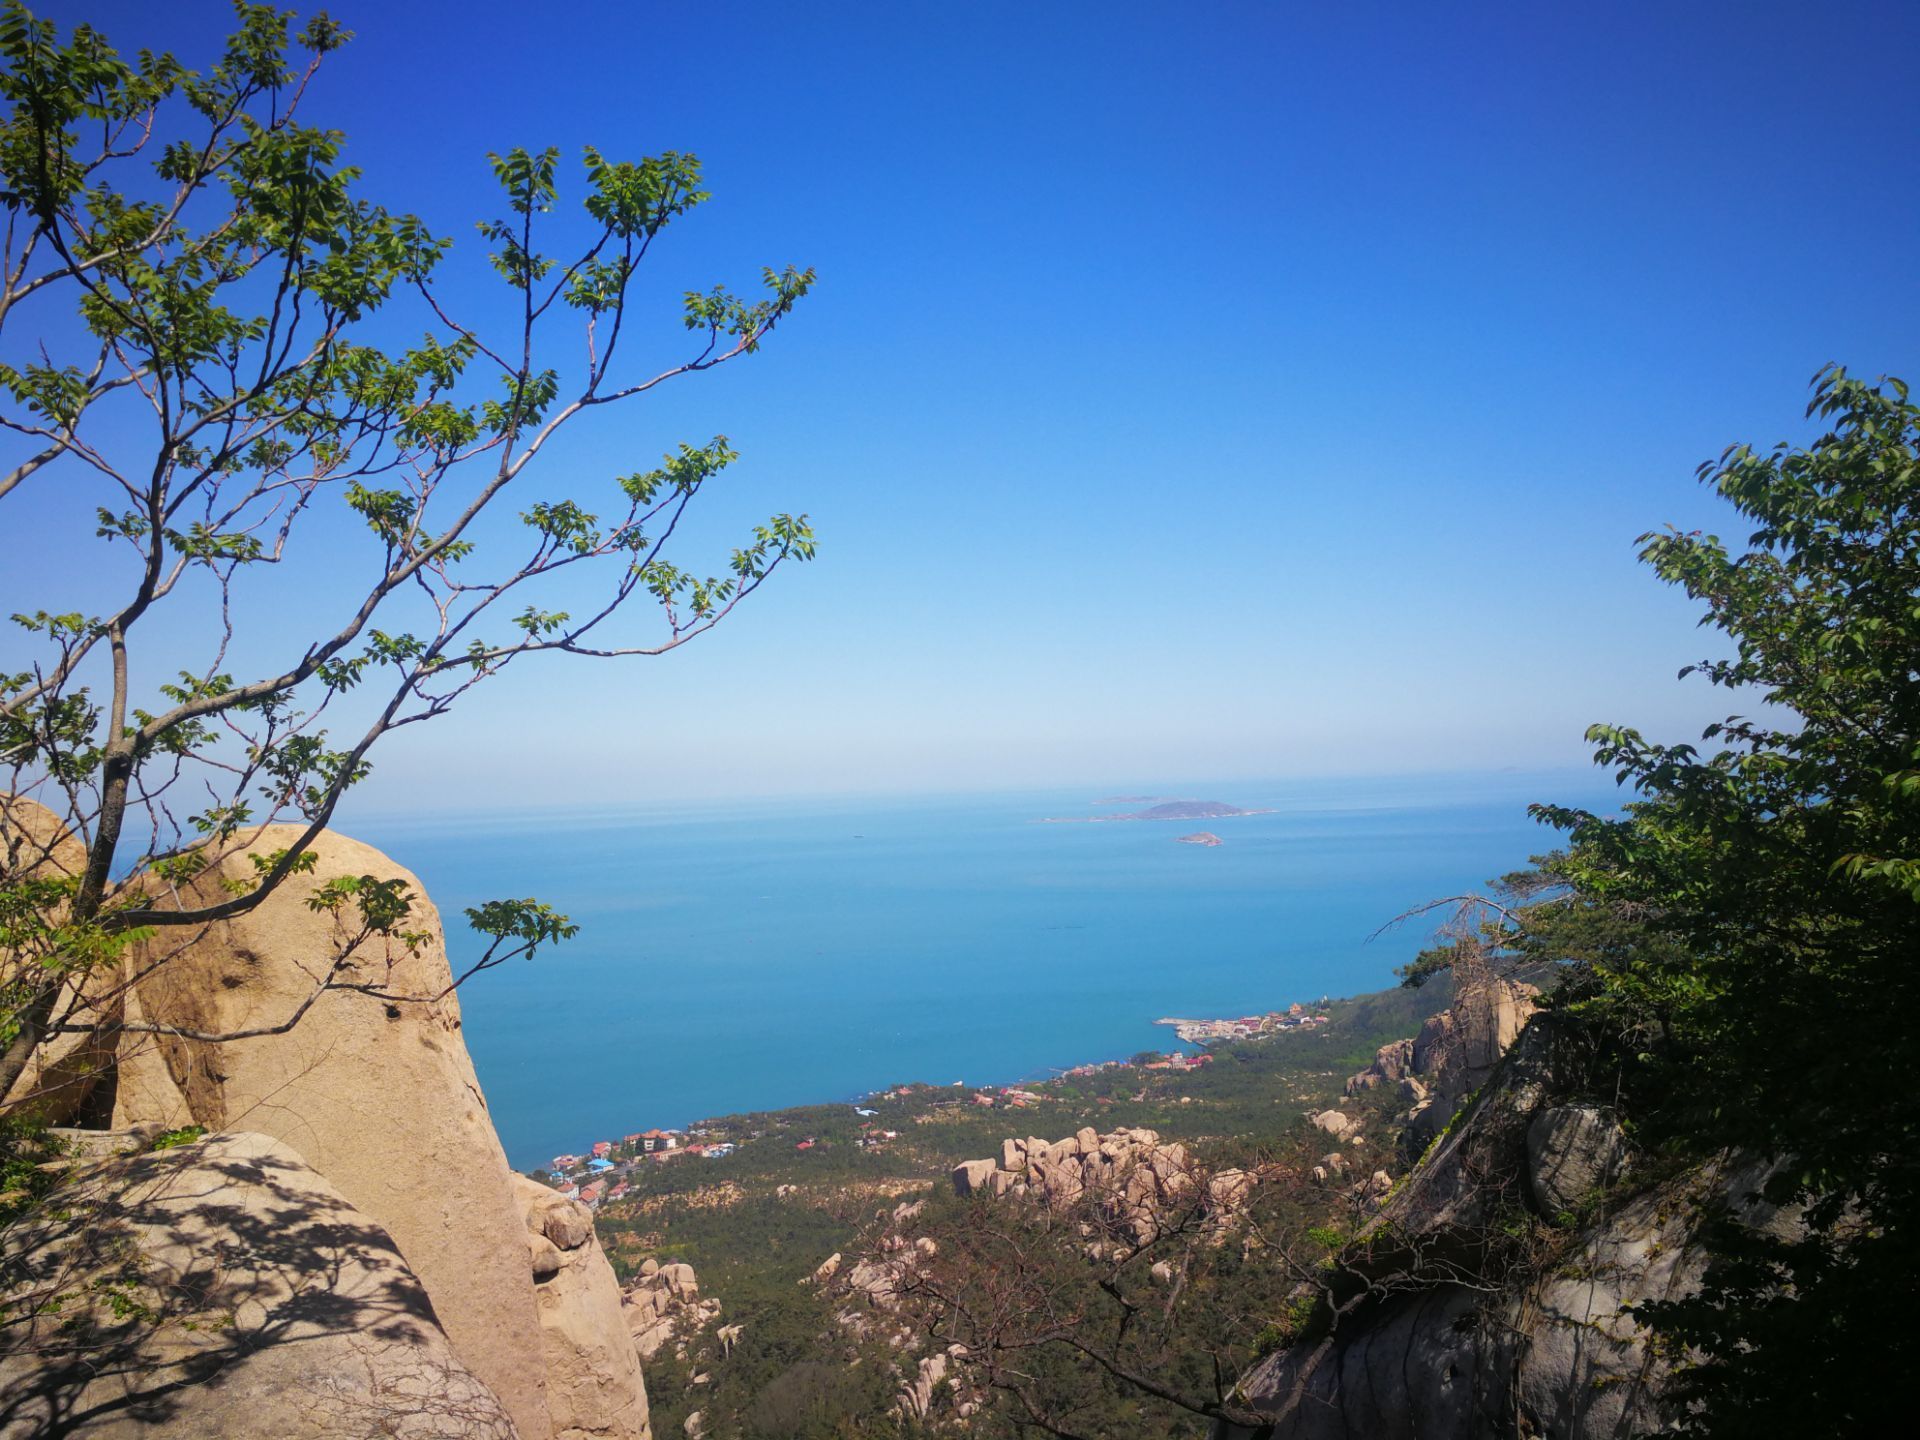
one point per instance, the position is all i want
(1191, 391)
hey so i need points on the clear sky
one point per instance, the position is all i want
(1191, 391)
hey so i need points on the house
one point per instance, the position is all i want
(806, 1144)
(652, 1142)
(858, 1111)
(602, 1149)
(617, 1191)
(599, 1165)
(566, 1162)
(591, 1195)
(720, 1150)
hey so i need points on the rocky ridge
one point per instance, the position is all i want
(1491, 1297)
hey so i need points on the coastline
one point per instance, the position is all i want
(1297, 1018)
(745, 961)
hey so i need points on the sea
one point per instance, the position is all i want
(752, 956)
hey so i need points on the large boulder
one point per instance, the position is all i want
(971, 1176)
(1572, 1152)
(375, 1090)
(223, 1290)
(594, 1387)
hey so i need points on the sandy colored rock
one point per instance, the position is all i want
(663, 1303)
(916, 1397)
(971, 1175)
(144, 1090)
(275, 1308)
(377, 1094)
(543, 1256)
(594, 1387)
(64, 1076)
(1392, 1063)
(567, 1223)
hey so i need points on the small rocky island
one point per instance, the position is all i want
(1202, 837)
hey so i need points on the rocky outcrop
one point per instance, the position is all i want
(594, 1387)
(345, 1046)
(223, 1290)
(663, 1304)
(1130, 1177)
(1456, 1050)
(920, 1389)
(374, 1090)
(1491, 1325)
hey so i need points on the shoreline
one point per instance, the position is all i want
(1296, 1011)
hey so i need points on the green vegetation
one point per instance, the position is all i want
(756, 1248)
(1776, 881)
(1736, 948)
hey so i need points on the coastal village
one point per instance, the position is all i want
(1248, 1027)
(605, 1172)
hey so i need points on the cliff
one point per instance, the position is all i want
(1492, 1296)
(373, 1095)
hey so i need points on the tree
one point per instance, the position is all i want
(213, 311)
(1762, 912)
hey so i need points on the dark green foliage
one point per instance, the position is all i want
(1747, 929)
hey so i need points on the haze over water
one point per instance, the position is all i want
(755, 957)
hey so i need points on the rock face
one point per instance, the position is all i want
(1549, 1348)
(376, 1094)
(594, 1387)
(223, 1291)
(1572, 1151)
(64, 1076)
(1456, 1050)
(373, 1089)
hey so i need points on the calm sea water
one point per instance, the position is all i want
(749, 958)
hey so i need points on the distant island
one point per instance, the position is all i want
(1168, 810)
(1130, 799)
(1201, 837)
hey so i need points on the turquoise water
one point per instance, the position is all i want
(755, 957)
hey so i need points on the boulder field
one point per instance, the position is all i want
(373, 1094)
